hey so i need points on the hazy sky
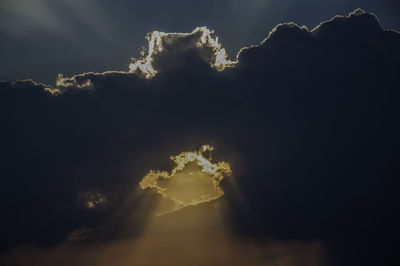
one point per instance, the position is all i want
(40, 38)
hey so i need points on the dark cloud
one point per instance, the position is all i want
(168, 51)
(174, 245)
(307, 119)
(41, 38)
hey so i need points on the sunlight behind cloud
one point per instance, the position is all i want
(202, 40)
(193, 180)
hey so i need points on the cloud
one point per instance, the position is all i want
(194, 236)
(356, 22)
(151, 251)
(167, 50)
(307, 119)
(93, 199)
(193, 180)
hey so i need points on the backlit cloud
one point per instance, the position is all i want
(165, 46)
(193, 180)
(307, 119)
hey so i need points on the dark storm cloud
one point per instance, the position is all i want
(308, 120)
(41, 38)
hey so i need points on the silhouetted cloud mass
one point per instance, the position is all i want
(307, 119)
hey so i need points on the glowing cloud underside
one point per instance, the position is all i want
(193, 180)
(201, 39)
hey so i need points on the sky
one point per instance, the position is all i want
(286, 154)
(41, 38)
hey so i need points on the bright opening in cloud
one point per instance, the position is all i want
(195, 179)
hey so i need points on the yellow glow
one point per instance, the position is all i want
(193, 180)
(52, 91)
(66, 82)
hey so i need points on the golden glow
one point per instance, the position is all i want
(52, 91)
(66, 82)
(193, 236)
(193, 180)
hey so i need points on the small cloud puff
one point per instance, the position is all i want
(93, 199)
